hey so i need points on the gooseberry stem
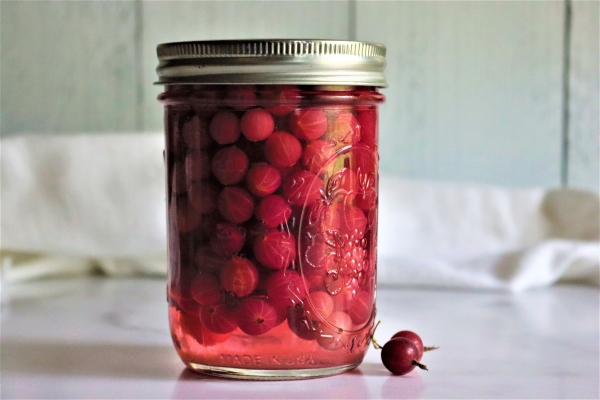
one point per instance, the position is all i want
(375, 344)
(418, 364)
(429, 348)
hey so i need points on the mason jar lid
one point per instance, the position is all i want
(272, 61)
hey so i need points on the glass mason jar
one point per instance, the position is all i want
(272, 174)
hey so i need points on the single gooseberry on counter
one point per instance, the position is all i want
(400, 356)
(413, 337)
(257, 124)
(263, 179)
(256, 316)
(239, 276)
(273, 211)
(302, 188)
(282, 149)
(229, 165)
(225, 127)
(275, 249)
(228, 239)
(308, 123)
(235, 204)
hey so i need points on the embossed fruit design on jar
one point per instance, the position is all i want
(272, 173)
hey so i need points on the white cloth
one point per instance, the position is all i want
(75, 203)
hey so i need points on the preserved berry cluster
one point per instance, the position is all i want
(272, 209)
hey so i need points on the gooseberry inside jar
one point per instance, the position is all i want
(272, 238)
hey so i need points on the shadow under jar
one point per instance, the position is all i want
(272, 184)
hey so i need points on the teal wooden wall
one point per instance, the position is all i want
(502, 93)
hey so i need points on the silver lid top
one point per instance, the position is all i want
(272, 61)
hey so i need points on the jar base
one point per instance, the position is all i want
(269, 374)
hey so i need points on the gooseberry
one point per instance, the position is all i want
(400, 356)
(257, 124)
(235, 204)
(228, 239)
(273, 211)
(282, 149)
(263, 179)
(239, 276)
(256, 316)
(308, 123)
(225, 127)
(229, 165)
(275, 249)
(302, 188)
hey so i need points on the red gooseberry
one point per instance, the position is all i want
(227, 239)
(273, 211)
(282, 149)
(361, 310)
(399, 356)
(308, 123)
(335, 332)
(284, 289)
(206, 289)
(263, 179)
(302, 188)
(235, 204)
(302, 326)
(413, 337)
(319, 304)
(239, 276)
(218, 318)
(229, 165)
(316, 154)
(225, 127)
(190, 324)
(257, 124)
(275, 249)
(256, 316)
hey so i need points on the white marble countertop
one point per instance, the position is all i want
(108, 338)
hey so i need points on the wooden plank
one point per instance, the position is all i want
(474, 89)
(206, 20)
(67, 66)
(583, 161)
